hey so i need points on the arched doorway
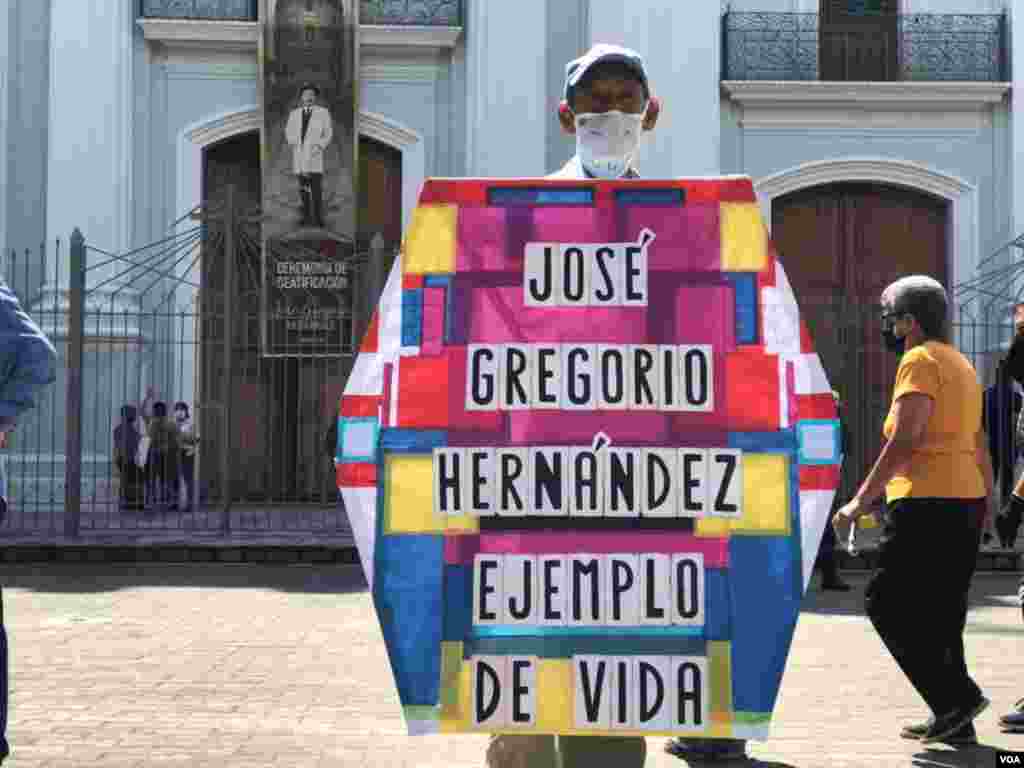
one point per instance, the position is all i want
(841, 244)
(281, 406)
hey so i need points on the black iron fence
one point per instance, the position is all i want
(254, 462)
(384, 12)
(919, 46)
(181, 320)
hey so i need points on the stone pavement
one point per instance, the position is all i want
(271, 665)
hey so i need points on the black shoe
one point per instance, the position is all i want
(946, 725)
(966, 736)
(1014, 721)
(709, 750)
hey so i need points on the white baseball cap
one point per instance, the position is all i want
(600, 53)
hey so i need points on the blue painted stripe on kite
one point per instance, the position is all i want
(765, 604)
(745, 286)
(648, 196)
(781, 441)
(398, 440)
(567, 646)
(412, 317)
(833, 424)
(540, 196)
(347, 423)
(796, 537)
(717, 625)
(437, 281)
(458, 602)
(509, 630)
(409, 599)
(456, 310)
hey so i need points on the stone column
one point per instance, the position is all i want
(507, 113)
(680, 43)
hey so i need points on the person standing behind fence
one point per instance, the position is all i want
(188, 440)
(28, 362)
(126, 451)
(163, 456)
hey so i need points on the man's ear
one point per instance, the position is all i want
(653, 110)
(566, 118)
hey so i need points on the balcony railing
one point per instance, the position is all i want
(428, 13)
(920, 46)
(210, 10)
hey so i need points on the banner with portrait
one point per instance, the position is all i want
(308, 79)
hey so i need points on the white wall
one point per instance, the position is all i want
(680, 43)
(5, 17)
(506, 85)
(1017, 112)
(89, 149)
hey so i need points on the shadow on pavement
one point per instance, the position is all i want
(980, 756)
(111, 577)
(746, 762)
(987, 590)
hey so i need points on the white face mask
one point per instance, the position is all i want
(606, 142)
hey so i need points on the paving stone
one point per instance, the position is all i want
(127, 665)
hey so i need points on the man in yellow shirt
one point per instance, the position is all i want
(936, 473)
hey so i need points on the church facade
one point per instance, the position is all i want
(882, 136)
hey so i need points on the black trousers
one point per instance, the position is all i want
(917, 597)
(826, 561)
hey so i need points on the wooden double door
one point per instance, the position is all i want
(280, 407)
(841, 245)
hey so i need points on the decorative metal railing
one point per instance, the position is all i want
(919, 46)
(217, 10)
(443, 13)
(427, 13)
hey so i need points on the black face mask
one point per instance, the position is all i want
(893, 342)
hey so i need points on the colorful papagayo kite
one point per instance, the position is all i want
(588, 452)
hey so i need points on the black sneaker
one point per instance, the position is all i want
(946, 725)
(966, 736)
(707, 749)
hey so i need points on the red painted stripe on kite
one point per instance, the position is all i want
(357, 475)
(819, 406)
(819, 478)
(354, 406)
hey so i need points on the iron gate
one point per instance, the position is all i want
(124, 322)
(149, 320)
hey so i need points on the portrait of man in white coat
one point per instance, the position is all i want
(308, 132)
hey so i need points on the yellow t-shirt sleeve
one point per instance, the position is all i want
(918, 373)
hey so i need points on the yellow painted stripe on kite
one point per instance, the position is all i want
(766, 500)
(451, 671)
(554, 696)
(409, 499)
(744, 240)
(720, 670)
(429, 246)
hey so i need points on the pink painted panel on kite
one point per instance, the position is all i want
(500, 316)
